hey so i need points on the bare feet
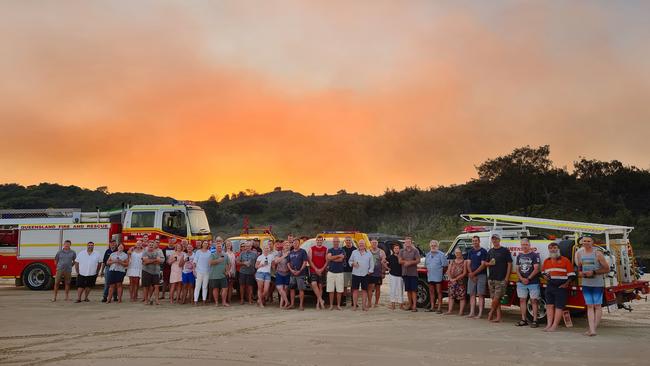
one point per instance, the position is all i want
(338, 308)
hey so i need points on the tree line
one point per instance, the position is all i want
(524, 182)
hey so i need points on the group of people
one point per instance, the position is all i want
(210, 272)
(492, 269)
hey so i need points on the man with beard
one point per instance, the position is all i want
(559, 273)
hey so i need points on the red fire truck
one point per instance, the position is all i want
(29, 239)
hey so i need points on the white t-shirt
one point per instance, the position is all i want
(202, 261)
(269, 258)
(88, 262)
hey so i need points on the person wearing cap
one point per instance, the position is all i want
(499, 268)
(558, 272)
(593, 267)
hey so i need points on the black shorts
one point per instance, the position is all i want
(434, 282)
(115, 277)
(246, 279)
(359, 281)
(86, 281)
(218, 283)
(317, 278)
(410, 283)
(149, 279)
(373, 280)
(556, 296)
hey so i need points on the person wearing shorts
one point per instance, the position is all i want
(298, 260)
(217, 280)
(263, 275)
(435, 262)
(348, 248)
(528, 264)
(151, 260)
(282, 274)
(362, 263)
(375, 278)
(103, 271)
(117, 263)
(409, 257)
(593, 267)
(317, 267)
(187, 276)
(335, 258)
(476, 261)
(559, 274)
(246, 260)
(500, 267)
(63, 261)
(87, 265)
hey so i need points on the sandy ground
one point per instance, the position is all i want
(36, 331)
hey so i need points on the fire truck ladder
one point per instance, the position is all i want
(73, 215)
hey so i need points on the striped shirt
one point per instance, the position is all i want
(558, 270)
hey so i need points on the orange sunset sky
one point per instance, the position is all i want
(192, 98)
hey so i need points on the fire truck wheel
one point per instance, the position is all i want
(423, 298)
(37, 276)
(541, 310)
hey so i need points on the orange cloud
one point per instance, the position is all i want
(180, 101)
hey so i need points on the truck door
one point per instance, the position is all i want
(8, 252)
(174, 223)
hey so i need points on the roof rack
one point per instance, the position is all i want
(575, 227)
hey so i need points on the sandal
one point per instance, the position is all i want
(429, 310)
(534, 324)
(522, 323)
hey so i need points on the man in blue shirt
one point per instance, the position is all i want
(435, 261)
(298, 260)
(335, 258)
(476, 261)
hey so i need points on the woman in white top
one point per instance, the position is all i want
(232, 270)
(134, 271)
(176, 273)
(202, 269)
(263, 275)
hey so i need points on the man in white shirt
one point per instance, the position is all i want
(87, 266)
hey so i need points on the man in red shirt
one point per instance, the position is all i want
(317, 266)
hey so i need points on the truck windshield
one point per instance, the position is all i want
(198, 222)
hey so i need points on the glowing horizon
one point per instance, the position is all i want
(194, 99)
